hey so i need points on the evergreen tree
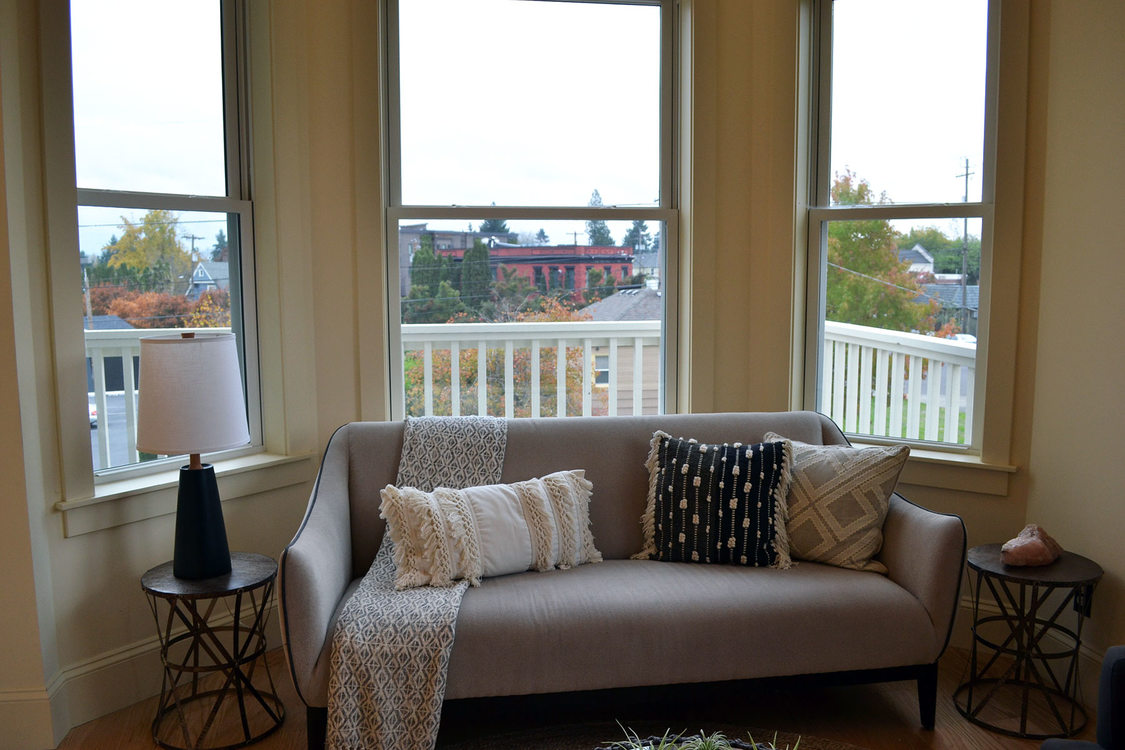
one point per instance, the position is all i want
(423, 307)
(542, 237)
(598, 286)
(220, 251)
(476, 276)
(638, 237)
(596, 229)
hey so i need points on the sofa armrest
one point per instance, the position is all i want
(925, 554)
(316, 567)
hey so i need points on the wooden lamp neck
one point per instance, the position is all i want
(194, 462)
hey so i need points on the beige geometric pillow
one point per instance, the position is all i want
(838, 501)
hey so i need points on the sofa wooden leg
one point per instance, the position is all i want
(927, 695)
(317, 723)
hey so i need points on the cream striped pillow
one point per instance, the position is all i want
(447, 535)
(838, 500)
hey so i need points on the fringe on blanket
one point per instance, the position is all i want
(390, 649)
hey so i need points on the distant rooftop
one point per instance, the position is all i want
(104, 323)
(628, 304)
(950, 295)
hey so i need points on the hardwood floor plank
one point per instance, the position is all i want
(878, 717)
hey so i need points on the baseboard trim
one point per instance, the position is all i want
(117, 679)
(26, 718)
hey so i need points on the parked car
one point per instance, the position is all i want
(93, 416)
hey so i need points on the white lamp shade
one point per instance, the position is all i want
(191, 398)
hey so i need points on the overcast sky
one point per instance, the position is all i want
(524, 103)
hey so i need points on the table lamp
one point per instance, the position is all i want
(191, 401)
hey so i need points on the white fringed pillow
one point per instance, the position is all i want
(447, 535)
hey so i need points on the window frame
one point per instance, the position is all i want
(80, 482)
(665, 212)
(987, 444)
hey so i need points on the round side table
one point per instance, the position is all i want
(211, 656)
(1025, 652)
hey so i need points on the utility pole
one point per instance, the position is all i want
(193, 238)
(965, 254)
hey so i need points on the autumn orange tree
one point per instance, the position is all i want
(867, 284)
(549, 310)
(152, 309)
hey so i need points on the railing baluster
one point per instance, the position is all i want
(455, 378)
(839, 358)
(509, 381)
(933, 399)
(428, 379)
(882, 373)
(914, 404)
(864, 393)
(826, 379)
(969, 401)
(587, 380)
(638, 375)
(613, 353)
(97, 361)
(560, 374)
(535, 386)
(482, 379)
(898, 386)
(851, 393)
(129, 388)
(953, 403)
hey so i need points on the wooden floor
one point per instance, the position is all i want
(871, 716)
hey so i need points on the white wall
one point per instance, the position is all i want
(1077, 475)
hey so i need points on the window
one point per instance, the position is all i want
(901, 219)
(163, 214)
(513, 169)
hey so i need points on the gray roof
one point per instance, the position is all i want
(105, 323)
(916, 254)
(950, 295)
(217, 270)
(629, 304)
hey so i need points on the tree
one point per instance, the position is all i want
(596, 229)
(638, 237)
(152, 309)
(598, 287)
(220, 251)
(212, 310)
(476, 276)
(422, 306)
(542, 237)
(494, 226)
(152, 248)
(867, 285)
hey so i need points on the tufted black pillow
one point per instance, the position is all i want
(717, 503)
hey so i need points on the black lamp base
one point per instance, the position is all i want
(201, 535)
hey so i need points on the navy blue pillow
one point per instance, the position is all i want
(713, 503)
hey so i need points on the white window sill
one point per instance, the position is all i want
(138, 498)
(952, 471)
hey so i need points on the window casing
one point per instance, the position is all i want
(78, 206)
(876, 383)
(556, 219)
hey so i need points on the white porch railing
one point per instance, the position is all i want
(110, 449)
(495, 352)
(874, 382)
(901, 385)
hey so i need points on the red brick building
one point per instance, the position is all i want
(556, 267)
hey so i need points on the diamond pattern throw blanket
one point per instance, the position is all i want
(390, 649)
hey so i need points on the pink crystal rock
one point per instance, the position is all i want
(1033, 546)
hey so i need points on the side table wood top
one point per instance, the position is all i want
(1070, 569)
(249, 570)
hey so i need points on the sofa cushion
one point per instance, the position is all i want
(838, 501)
(642, 622)
(721, 503)
(451, 534)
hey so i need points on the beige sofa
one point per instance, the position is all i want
(625, 622)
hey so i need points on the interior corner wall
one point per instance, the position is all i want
(1077, 474)
(25, 710)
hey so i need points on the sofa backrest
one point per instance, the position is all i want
(612, 450)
